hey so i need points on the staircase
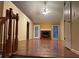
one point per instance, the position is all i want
(8, 33)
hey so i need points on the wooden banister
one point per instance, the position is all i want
(16, 39)
(10, 25)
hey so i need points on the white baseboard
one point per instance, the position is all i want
(75, 51)
(68, 47)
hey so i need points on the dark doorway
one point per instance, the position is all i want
(27, 37)
(27, 30)
(46, 34)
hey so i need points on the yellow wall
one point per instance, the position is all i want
(45, 26)
(22, 28)
(1, 8)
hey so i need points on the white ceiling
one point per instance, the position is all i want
(32, 9)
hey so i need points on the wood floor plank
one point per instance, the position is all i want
(44, 48)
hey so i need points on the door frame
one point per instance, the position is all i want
(69, 21)
(38, 31)
(52, 31)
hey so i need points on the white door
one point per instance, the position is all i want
(67, 35)
(67, 26)
(36, 31)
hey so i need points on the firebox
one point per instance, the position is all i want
(45, 34)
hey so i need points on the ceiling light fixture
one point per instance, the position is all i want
(45, 11)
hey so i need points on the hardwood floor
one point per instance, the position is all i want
(44, 48)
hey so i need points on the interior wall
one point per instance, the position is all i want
(22, 24)
(1, 8)
(45, 26)
(75, 25)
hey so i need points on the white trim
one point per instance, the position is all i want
(67, 45)
(52, 31)
(38, 31)
(45, 29)
(75, 51)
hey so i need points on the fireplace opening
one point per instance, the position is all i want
(46, 34)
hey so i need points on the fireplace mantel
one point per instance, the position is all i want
(45, 29)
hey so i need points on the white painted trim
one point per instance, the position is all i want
(52, 31)
(75, 51)
(45, 29)
(38, 31)
(66, 45)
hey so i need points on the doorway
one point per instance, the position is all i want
(36, 31)
(55, 32)
(27, 30)
(67, 25)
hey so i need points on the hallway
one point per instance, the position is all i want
(39, 29)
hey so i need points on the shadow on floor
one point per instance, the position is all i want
(21, 56)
